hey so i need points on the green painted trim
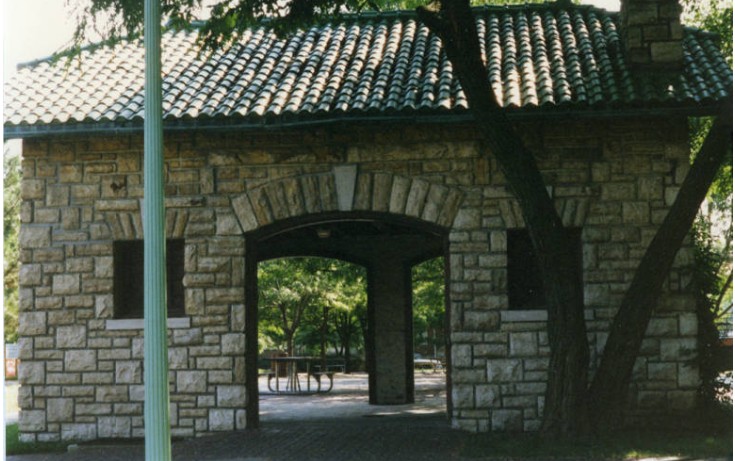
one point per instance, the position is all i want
(157, 424)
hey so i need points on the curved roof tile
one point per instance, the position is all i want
(537, 56)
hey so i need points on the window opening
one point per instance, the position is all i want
(128, 278)
(525, 286)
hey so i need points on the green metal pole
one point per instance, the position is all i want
(157, 428)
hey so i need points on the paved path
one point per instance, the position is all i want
(11, 402)
(339, 425)
(349, 399)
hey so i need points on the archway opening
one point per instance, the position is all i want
(387, 248)
(312, 321)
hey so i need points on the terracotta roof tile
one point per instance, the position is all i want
(539, 57)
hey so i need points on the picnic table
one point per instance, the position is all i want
(428, 365)
(289, 369)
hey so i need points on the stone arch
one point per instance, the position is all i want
(573, 212)
(123, 219)
(345, 189)
(272, 210)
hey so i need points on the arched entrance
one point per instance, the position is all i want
(388, 246)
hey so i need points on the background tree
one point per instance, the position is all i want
(286, 288)
(11, 228)
(347, 317)
(332, 311)
(428, 307)
(713, 234)
(306, 304)
(567, 394)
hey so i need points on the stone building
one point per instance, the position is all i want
(356, 129)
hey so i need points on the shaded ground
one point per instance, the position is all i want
(349, 399)
(338, 426)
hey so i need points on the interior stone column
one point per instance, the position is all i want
(389, 283)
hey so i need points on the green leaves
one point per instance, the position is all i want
(11, 229)
(295, 292)
(714, 16)
(428, 305)
(295, 295)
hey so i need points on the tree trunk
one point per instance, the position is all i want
(323, 355)
(348, 352)
(566, 389)
(610, 386)
(289, 344)
(346, 326)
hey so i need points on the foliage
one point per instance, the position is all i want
(11, 229)
(298, 296)
(323, 303)
(286, 289)
(712, 280)
(714, 16)
(222, 21)
(713, 277)
(713, 230)
(428, 306)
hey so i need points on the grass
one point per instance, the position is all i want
(14, 447)
(624, 446)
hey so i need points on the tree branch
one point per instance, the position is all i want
(723, 291)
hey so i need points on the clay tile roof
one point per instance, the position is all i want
(540, 59)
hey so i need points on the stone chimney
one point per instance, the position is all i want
(652, 34)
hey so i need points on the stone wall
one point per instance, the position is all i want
(81, 370)
(652, 34)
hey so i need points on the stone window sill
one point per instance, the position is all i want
(137, 324)
(535, 315)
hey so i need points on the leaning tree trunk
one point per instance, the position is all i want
(609, 388)
(565, 407)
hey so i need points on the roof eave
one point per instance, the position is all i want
(265, 124)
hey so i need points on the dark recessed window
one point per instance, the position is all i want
(525, 289)
(128, 292)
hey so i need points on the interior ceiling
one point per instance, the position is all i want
(352, 240)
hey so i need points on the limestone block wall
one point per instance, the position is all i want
(616, 182)
(81, 369)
